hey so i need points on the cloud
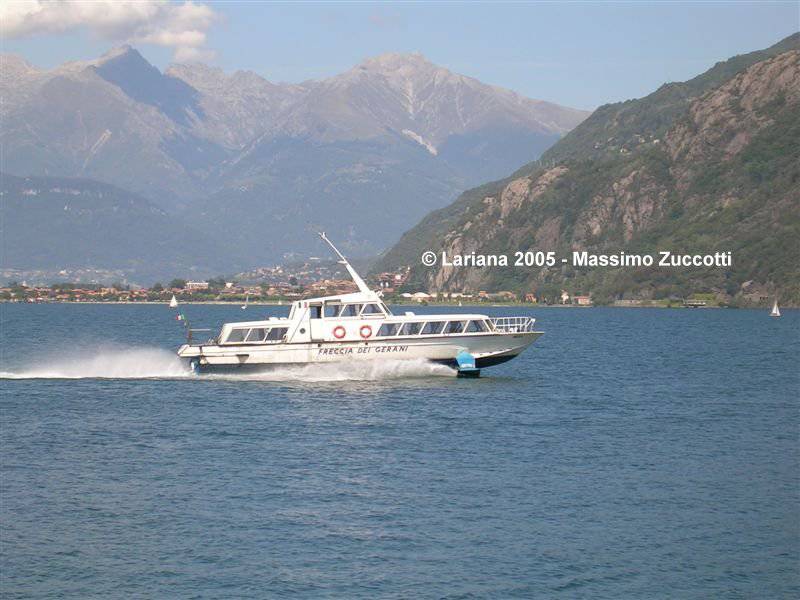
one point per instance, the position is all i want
(182, 27)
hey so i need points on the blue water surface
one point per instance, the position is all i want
(630, 453)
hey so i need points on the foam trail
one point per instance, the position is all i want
(106, 363)
(364, 370)
(113, 362)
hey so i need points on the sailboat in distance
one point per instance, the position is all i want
(776, 312)
(246, 300)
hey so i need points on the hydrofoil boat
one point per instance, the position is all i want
(359, 326)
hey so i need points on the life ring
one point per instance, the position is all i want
(365, 331)
(338, 332)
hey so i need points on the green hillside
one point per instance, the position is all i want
(704, 166)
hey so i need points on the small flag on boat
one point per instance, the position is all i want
(180, 317)
(174, 302)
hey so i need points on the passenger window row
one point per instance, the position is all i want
(256, 335)
(432, 328)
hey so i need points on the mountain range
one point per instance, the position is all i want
(256, 165)
(703, 166)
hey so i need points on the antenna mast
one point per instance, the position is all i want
(362, 287)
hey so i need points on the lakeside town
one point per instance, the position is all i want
(274, 285)
(220, 292)
(314, 278)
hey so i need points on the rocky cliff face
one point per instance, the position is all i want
(724, 175)
(724, 121)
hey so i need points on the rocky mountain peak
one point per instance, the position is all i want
(12, 66)
(125, 62)
(18, 80)
(399, 69)
(393, 61)
(199, 75)
(209, 79)
(127, 69)
(124, 52)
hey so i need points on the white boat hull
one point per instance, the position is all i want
(487, 349)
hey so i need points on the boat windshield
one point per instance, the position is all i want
(388, 329)
(350, 310)
(477, 327)
(433, 328)
(236, 336)
(411, 328)
(455, 327)
(332, 310)
(256, 335)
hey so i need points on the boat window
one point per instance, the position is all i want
(455, 326)
(276, 334)
(351, 310)
(316, 311)
(256, 335)
(476, 327)
(332, 310)
(371, 309)
(236, 335)
(388, 329)
(411, 328)
(433, 328)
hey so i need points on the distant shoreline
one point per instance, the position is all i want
(428, 305)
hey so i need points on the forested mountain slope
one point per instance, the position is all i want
(716, 171)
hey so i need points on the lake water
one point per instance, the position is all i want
(629, 453)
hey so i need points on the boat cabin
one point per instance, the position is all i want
(352, 317)
(359, 317)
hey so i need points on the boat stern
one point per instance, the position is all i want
(189, 351)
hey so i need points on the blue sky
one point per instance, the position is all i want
(580, 54)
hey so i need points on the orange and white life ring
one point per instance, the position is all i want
(365, 331)
(338, 332)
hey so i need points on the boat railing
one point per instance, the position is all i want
(513, 324)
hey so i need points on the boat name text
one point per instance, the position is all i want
(361, 350)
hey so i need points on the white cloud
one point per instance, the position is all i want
(182, 27)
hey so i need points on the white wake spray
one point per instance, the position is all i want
(105, 363)
(155, 363)
(365, 370)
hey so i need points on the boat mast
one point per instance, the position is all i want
(362, 287)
